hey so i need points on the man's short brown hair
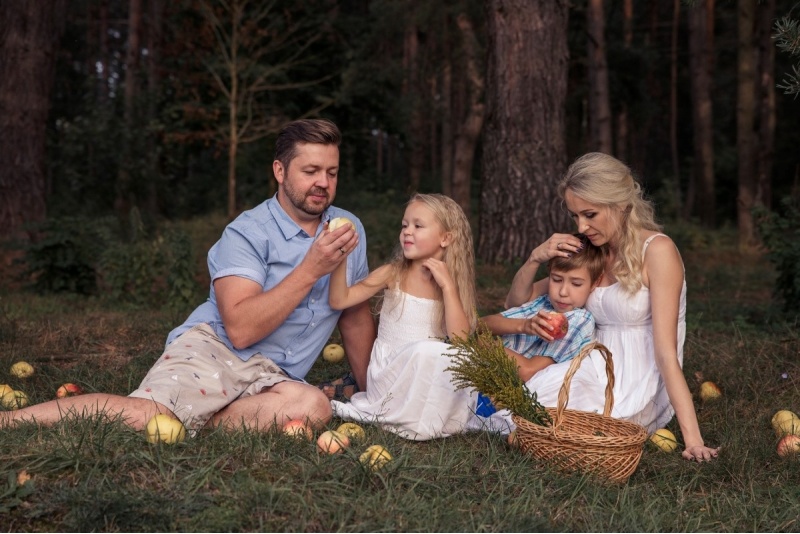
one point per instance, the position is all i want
(315, 131)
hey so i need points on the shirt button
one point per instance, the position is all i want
(313, 301)
(313, 324)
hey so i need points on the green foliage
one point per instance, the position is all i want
(62, 255)
(481, 362)
(787, 39)
(780, 233)
(147, 268)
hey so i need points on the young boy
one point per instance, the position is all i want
(571, 281)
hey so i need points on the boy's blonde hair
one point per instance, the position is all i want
(590, 256)
(604, 180)
(459, 256)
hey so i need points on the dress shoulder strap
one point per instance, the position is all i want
(647, 242)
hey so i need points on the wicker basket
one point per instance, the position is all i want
(583, 441)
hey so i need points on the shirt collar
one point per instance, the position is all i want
(289, 228)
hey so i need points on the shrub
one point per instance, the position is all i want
(780, 232)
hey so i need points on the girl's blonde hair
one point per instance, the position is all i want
(603, 180)
(459, 255)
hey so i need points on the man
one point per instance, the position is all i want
(240, 358)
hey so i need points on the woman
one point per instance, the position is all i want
(639, 305)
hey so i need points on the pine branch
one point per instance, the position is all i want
(481, 363)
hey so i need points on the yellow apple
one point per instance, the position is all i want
(351, 430)
(333, 353)
(789, 444)
(375, 457)
(664, 440)
(786, 422)
(5, 388)
(22, 369)
(336, 222)
(14, 400)
(332, 442)
(297, 428)
(709, 391)
(165, 428)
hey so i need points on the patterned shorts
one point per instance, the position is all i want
(198, 375)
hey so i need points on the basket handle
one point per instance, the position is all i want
(563, 394)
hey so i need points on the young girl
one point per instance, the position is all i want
(429, 295)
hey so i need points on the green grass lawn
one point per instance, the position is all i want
(90, 474)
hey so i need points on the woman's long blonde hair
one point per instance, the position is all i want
(605, 181)
(459, 256)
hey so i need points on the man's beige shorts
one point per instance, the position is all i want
(198, 375)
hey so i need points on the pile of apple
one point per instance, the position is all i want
(337, 441)
(787, 427)
(13, 399)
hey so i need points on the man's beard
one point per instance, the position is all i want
(300, 199)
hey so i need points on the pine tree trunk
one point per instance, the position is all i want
(767, 119)
(411, 92)
(524, 148)
(599, 100)
(470, 129)
(446, 107)
(29, 39)
(673, 105)
(745, 117)
(124, 201)
(623, 128)
(701, 196)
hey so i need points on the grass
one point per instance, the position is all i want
(94, 474)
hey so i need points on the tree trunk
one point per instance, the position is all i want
(767, 119)
(745, 116)
(622, 117)
(154, 43)
(524, 149)
(29, 39)
(599, 101)
(124, 200)
(470, 129)
(673, 104)
(446, 107)
(701, 196)
(411, 92)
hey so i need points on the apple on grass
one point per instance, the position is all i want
(22, 369)
(789, 444)
(351, 430)
(68, 390)
(332, 442)
(375, 457)
(664, 440)
(297, 428)
(333, 353)
(785, 422)
(709, 391)
(559, 323)
(13, 399)
(165, 428)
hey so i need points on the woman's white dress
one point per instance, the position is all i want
(624, 326)
(409, 392)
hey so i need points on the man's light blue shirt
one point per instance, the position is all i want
(264, 245)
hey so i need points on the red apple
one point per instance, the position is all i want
(332, 442)
(68, 390)
(297, 428)
(559, 323)
(789, 444)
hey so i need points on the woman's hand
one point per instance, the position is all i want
(563, 245)
(700, 453)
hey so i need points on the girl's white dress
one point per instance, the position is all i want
(409, 392)
(624, 326)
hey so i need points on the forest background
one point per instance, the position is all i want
(132, 131)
